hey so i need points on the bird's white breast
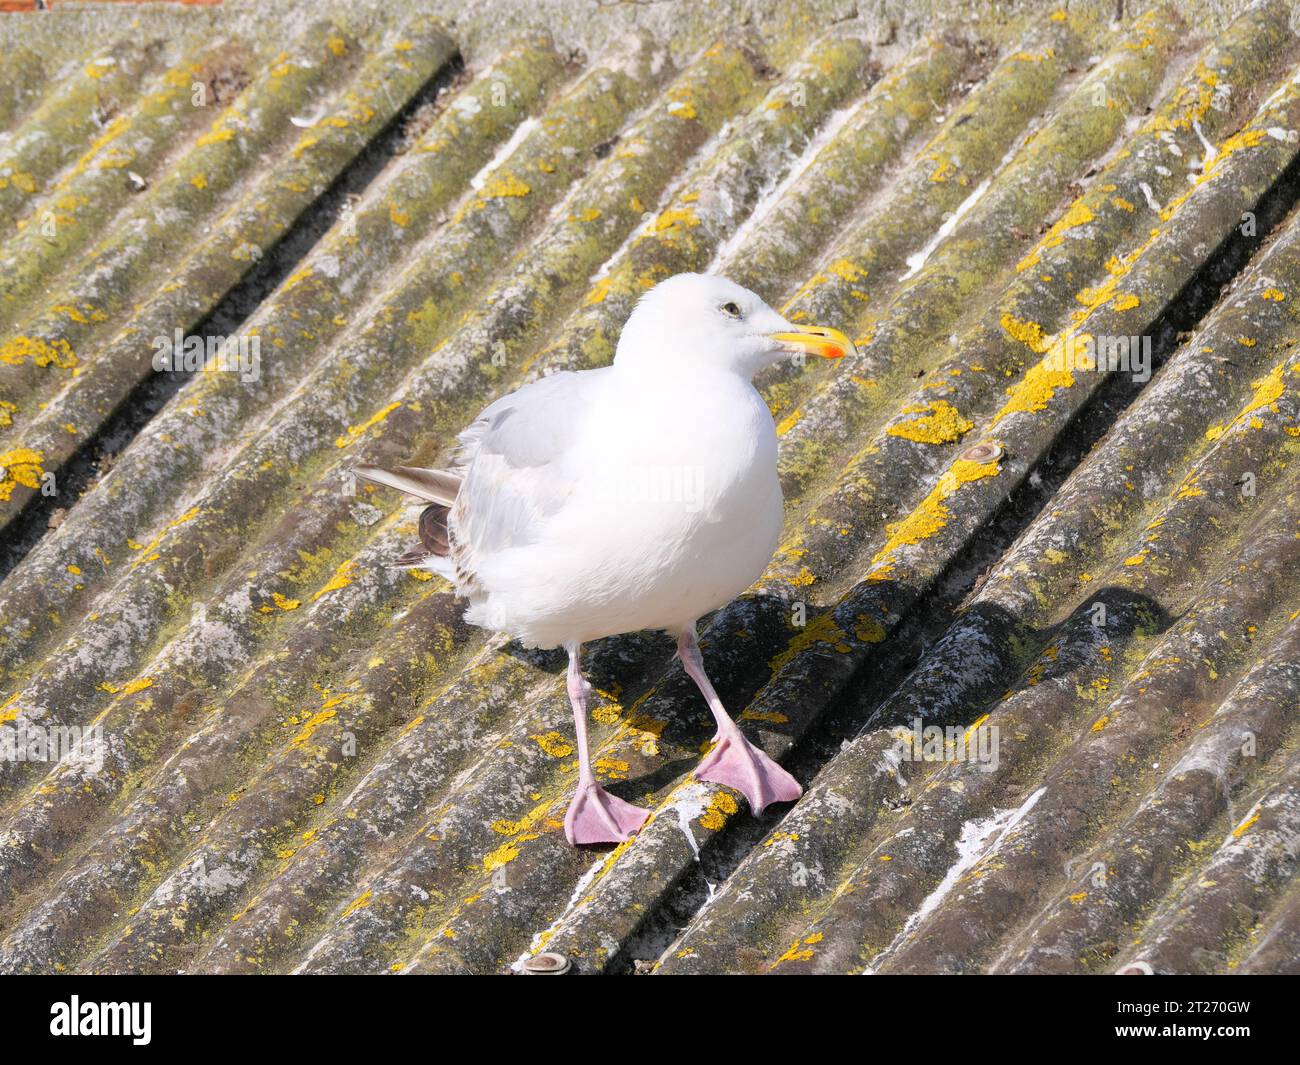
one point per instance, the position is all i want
(675, 510)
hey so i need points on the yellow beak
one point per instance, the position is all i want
(816, 340)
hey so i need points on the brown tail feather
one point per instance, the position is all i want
(434, 536)
(435, 542)
(434, 486)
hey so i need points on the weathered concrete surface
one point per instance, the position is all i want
(311, 764)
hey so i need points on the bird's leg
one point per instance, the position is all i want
(734, 761)
(594, 815)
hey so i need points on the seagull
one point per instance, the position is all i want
(641, 495)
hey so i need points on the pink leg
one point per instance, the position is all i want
(734, 761)
(594, 815)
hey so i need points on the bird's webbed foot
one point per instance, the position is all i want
(737, 763)
(596, 816)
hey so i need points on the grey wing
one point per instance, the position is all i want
(514, 459)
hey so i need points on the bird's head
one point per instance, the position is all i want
(703, 320)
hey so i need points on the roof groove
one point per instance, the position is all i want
(258, 218)
(882, 132)
(23, 81)
(71, 113)
(959, 382)
(112, 279)
(1188, 803)
(1073, 786)
(150, 138)
(731, 917)
(961, 655)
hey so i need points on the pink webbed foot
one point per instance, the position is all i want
(738, 764)
(596, 816)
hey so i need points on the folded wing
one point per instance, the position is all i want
(509, 476)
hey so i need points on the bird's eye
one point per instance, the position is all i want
(731, 309)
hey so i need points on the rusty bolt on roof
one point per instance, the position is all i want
(547, 965)
(985, 452)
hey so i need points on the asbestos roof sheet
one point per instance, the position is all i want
(1031, 641)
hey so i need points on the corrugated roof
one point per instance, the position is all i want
(310, 763)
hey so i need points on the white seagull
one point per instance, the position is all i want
(642, 495)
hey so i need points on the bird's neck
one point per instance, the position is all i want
(678, 372)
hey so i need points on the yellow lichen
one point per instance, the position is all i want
(311, 725)
(504, 186)
(1245, 826)
(132, 686)
(355, 431)
(218, 133)
(932, 515)
(514, 828)
(359, 903)
(847, 271)
(942, 169)
(614, 768)
(1042, 380)
(772, 717)
(297, 278)
(869, 630)
(941, 423)
(1028, 332)
(341, 579)
(800, 950)
(721, 806)
(1268, 390)
(803, 578)
(21, 466)
(821, 629)
(506, 853)
(788, 422)
(676, 218)
(1247, 138)
(553, 744)
(1078, 214)
(57, 352)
